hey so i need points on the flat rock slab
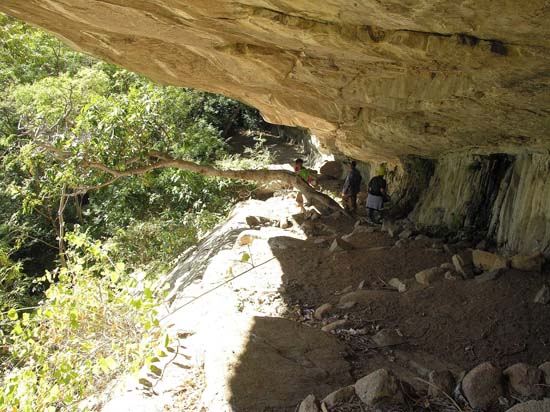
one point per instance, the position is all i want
(266, 363)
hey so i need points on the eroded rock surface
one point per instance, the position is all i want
(372, 79)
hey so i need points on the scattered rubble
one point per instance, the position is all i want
(334, 325)
(322, 311)
(463, 267)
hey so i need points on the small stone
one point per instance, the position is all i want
(543, 295)
(398, 284)
(387, 337)
(401, 243)
(310, 404)
(334, 325)
(531, 263)
(447, 266)
(339, 396)
(429, 276)
(525, 380)
(488, 276)
(488, 261)
(441, 382)
(361, 285)
(322, 310)
(545, 368)
(320, 241)
(285, 224)
(347, 305)
(462, 267)
(378, 386)
(451, 276)
(482, 386)
(406, 234)
(532, 406)
(339, 245)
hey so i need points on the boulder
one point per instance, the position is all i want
(488, 261)
(429, 276)
(380, 385)
(441, 382)
(332, 169)
(334, 325)
(543, 295)
(387, 337)
(339, 396)
(463, 267)
(525, 380)
(340, 245)
(310, 404)
(531, 406)
(398, 284)
(530, 263)
(482, 386)
(322, 310)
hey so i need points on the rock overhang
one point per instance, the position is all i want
(373, 80)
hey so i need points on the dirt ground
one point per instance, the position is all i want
(452, 324)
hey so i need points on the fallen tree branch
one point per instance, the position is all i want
(161, 160)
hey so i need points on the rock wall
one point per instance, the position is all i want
(506, 197)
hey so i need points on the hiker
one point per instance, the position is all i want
(352, 186)
(304, 173)
(377, 194)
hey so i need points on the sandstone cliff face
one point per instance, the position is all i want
(372, 79)
(434, 87)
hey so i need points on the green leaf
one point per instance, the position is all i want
(12, 314)
(245, 257)
(107, 364)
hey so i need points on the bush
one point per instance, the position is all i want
(96, 322)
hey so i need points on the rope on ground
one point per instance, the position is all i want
(217, 287)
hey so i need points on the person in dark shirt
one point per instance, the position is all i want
(352, 186)
(377, 193)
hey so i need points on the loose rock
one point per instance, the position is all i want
(447, 266)
(545, 368)
(525, 380)
(450, 276)
(543, 295)
(441, 382)
(488, 261)
(322, 310)
(429, 276)
(532, 406)
(334, 325)
(388, 337)
(406, 234)
(340, 245)
(482, 386)
(339, 396)
(463, 267)
(488, 276)
(310, 404)
(398, 284)
(377, 386)
(531, 263)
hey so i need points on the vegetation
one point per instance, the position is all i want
(81, 248)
